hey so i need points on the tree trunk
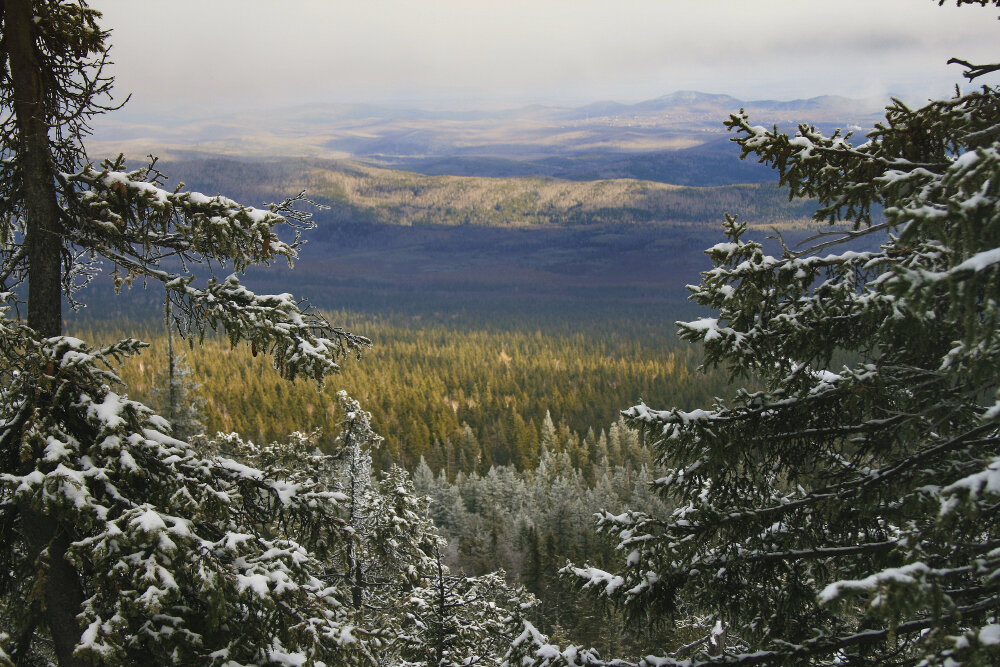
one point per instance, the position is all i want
(173, 410)
(45, 537)
(43, 238)
(354, 565)
(63, 597)
(442, 611)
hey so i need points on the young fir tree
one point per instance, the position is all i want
(846, 512)
(392, 536)
(174, 391)
(392, 566)
(118, 543)
(458, 621)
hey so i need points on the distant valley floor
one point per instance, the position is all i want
(422, 270)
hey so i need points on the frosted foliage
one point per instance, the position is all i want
(177, 399)
(199, 557)
(392, 537)
(120, 543)
(843, 507)
(458, 620)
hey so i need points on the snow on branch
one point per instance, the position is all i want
(188, 540)
(300, 341)
(130, 213)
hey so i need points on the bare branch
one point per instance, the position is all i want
(974, 71)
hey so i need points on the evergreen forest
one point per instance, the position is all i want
(515, 437)
(803, 471)
(464, 396)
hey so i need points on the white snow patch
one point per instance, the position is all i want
(109, 411)
(149, 521)
(905, 575)
(254, 582)
(989, 635)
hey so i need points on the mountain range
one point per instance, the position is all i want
(600, 140)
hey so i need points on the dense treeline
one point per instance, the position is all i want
(465, 399)
(710, 164)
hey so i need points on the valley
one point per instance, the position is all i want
(517, 210)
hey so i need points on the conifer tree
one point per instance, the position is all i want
(390, 558)
(458, 621)
(118, 543)
(846, 511)
(548, 437)
(174, 391)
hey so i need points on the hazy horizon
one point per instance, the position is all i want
(231, 55)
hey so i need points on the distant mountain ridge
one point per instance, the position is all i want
(319, 112)
(576, 205)
(605, 139)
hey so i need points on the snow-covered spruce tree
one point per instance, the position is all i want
(389, 567)
(392, 536)
(847, 511)
(118, 543)
(458, 621)
(173, 391)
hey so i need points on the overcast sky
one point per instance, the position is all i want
(203, 56)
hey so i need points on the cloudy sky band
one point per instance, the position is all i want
(222, 55)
